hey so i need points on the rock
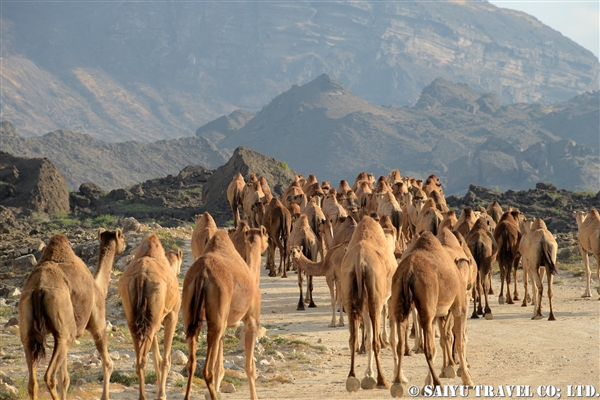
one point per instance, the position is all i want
(80, 382)
(90, 190)
(123, 262)
(469, 198)
(175, 376)
(12, 322)
(154, 226)
(178, 358)
(14, 330)
(131, 225)
(108, 326)
(24, 264)
(115, 355)
(545, 186)
(5, 378)
(9, 389)
(120, 194)
(228, 388)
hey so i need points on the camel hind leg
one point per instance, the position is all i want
(58, 360)
(170, 323)
(251, 324)
(352, 383)
(214, 337)
(192, 343)
(430, 348)
(32, 385)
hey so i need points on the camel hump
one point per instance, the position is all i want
(58, 250)
(427, 241)
(220, 242)
(481, 223)
(150, 247)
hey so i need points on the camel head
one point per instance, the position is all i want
(105, 236)
(296, 252)
(175, 259)
(326, 186)
(394, 176)
(580, 216)
(257, 237)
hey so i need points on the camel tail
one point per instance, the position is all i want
(360, 286)
(195, 317)
(37, 333)
(505, 251)
(141, 311)
(397, 220)
(406, 296)
(547, 259)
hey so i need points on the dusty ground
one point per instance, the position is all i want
(509, 350)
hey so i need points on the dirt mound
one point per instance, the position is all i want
(32, 183)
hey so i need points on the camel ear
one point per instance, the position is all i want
(301, 249)
(263, 230)
(180, 254)
(100, 232)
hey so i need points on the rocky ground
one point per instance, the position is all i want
(298, 356)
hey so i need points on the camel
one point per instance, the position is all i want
(363, 176)
(264, 185)
(149, 290)
(495, 211)
(61, 297)
(278, 222)
(314, 191)
(325, 186)
(507, 236)
(253, 198)
(440, 201)
(387, 205)
(303, 236)
(483, 248)
(203, 231)
(448, 220)
(466, 221)
(430, 279)
(316, 220)
(588, 236)
(288, 196)
(343, 187)
(238, 238)
(234, 196)
(331, 208)
(538, 249)
(429, 218)
(343, 231)
(366, 273)
(223, 289)
(312, 179)
(329, 267)
(399, 190)
(394, 177)
(432, 184)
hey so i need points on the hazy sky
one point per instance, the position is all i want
(576, 19)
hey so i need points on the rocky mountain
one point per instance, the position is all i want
(34, 184)
(147, 71)
(321, 127)
(111, 165)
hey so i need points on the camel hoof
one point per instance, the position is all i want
(489, 316)
(536, 317)
(397, 390)
(332, 325)
(368, 382)
(491, 291)
(516, 297)
(552, 318)
(528, 298)
(586, 295)
(312, 305)
(501, 300)
(341, 324)
(449, 372)
(272, 274)
(352, 384)
(458, 371)
(474, 316)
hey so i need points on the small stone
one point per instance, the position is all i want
(264, 363)
(11, 390)
(108, 326)
(14, 330)
(178, 358)
(115, 355)
(24, 264)
(11, 322)
(175, 376)
(228, 388)
(80, 382)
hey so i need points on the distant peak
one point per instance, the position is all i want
(325, 82)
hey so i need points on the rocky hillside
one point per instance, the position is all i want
(157, 70)
(111, 165)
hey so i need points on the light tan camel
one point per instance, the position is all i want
(330, 268)
(266, 189)
(234, 196)
(343, 230)
(394, 177)
(429, 218)
(363, 189)
(362, 176)
(149, 290)
(366, 272)
(588, 226)
(448, 220)
(238, 238)
(303, 236)
(507, 236)
(288, 196)
(428, 277)
(203, 231)
(400, 191)
(312, 179)
(278, 222)
(388, 205)
(325, 185)
(538, 249)
(495, 211)
(343, 187)
(331, 208)
(253, 198)
(465, 221)
(483, 248)
(61, 297)
(223, 289)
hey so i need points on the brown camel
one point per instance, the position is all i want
(508, 235)
(61, 297)
(366, 271)
(329, 267)
(388, 205)
(253, 198)
(238, 238)
(278, 222)
(466, 221)
(343, 230)
(234, 196)
(429, 218)
(266, 189)
(495, 211)
(204, 230)
(448, 220)
(343, 187)
(332, 208)
(483, 248)
(394, 177)
(538, 249)
(223, 289)
(588, 226)
(428, 277)
(325, 185)
(149, 290)
(303, 236)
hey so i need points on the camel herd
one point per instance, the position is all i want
(389, 249)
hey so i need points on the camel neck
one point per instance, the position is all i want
(253, 259)
(315, 268)
(106, 258)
